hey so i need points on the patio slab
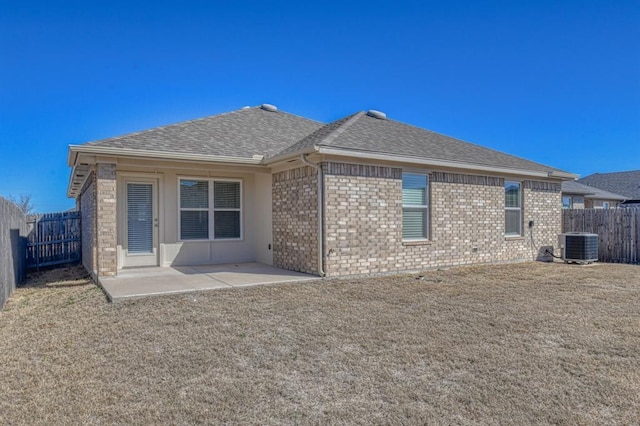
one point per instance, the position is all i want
(153, 281)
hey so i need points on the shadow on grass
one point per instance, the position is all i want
(57, 277)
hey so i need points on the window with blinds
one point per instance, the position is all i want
(415, 206)
(513, 208)
(139, 218)
(226, 209)
(210, 209)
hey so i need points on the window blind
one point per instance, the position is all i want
(226, 195)
(140, 217)
(210, 205)
(415, 206)
(513, 208)
(194, 194)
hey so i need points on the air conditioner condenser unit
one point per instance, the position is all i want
(578, 247)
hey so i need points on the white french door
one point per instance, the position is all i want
(141, 232)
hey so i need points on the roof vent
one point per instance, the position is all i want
(269, 107)
(377, 114)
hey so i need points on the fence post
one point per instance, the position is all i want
(37, 246)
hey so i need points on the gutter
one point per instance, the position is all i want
(563, 175)
(316, 166)
(75, 149)
(444, 163)
(554, 174)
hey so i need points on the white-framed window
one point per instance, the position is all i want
(513, 208)
(605, 204)
(210, 209)
(415, 206)
(567, 202)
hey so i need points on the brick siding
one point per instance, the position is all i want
(106, 211)
(295, 219)
(363, 226)
(87, 206)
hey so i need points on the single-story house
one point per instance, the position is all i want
(363, 194)
(576, 195)
(626, 184)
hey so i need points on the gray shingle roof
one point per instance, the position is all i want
(624, 183)
(361, 132)
(242, 133)
(573, 187)
(254, 131)
(322, 134)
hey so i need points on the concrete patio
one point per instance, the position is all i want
(154, 281)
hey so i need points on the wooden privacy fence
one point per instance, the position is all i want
(54, 239)
(618, 231)
(13, 243)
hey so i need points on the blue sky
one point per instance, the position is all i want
(556, 82)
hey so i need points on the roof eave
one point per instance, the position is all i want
(606, 197)
(71, 193)
(578, 193)
(445, 163)
(160, 155)
(79, 176)
(72, 155)
(563, 175)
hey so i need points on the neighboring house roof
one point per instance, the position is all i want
(364, 133)
(242, 133)
(624, 183)
(577, 188)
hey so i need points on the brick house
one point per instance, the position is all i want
(364, 194)
(576, 195)
(626, 184)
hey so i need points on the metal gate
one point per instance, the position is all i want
(54, 239)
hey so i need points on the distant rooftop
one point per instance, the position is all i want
(573, 187)
(624, 183)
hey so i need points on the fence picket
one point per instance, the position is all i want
(54, 239)
(618, 231)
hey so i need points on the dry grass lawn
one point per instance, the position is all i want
(528, 343)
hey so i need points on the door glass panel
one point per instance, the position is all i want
(140, 217)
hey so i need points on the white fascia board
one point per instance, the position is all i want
(72, 156)
(441, 163)
(289, 155)
(164, 155)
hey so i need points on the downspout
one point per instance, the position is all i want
(95, 254)
(303, 157)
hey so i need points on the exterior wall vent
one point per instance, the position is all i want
(377, 114)
(269, 107)
(579, 247)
